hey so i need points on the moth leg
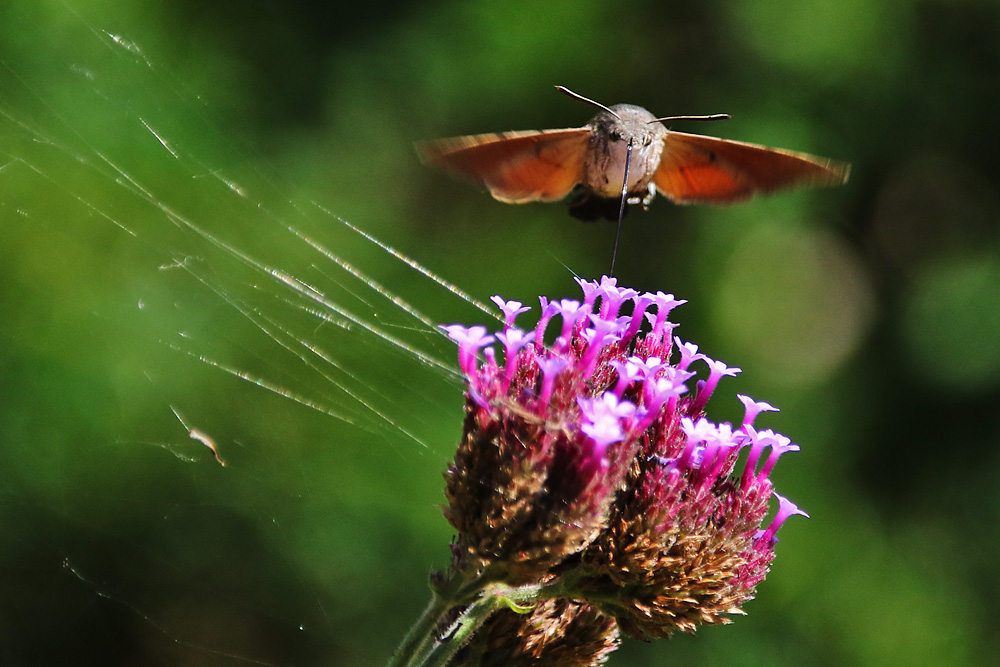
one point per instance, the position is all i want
(644, 200)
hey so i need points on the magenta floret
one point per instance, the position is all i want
(590, 460)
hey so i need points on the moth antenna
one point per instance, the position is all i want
(566, 91)
(714, 116)
(621, 209)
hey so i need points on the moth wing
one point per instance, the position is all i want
(699, 169)
(516, 167)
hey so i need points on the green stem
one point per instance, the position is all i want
(417, 639)
(420, 639)
(422, 648)
(495, 597)
(466, 626)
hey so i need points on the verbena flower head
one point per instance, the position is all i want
(588, 466)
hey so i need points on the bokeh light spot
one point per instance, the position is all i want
(795, 301)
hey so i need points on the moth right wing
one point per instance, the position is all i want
(695, 169)
(516, 167)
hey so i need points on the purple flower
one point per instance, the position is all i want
(753, 408)
(707, 387)
(570, 311)
(513, 340)
(587, 466)
(550, 367)
(548, 310)
(602, 418)
(786, 508)
(469, 341)
(689, 354)
(664, 304)
(510, 309)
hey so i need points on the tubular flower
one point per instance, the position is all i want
(589, 472)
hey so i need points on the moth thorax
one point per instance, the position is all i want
(605, 166)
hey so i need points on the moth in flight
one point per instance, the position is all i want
(626, 150)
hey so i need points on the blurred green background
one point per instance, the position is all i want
(174, 181)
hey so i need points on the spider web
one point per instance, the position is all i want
(226, 398)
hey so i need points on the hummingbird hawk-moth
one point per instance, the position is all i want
(592, 162)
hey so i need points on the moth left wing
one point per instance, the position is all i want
(516, 167)
(698, 169)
